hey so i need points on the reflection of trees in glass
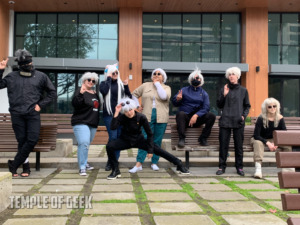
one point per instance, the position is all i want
(44, 37)
(65, 90)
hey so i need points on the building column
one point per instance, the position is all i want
(255, 54)
(130, 45)
(4, 29)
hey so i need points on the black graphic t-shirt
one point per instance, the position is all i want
(86, 109)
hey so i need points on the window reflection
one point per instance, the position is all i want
(191, 37)
(284, 35)
(286, 91)
(68, 35)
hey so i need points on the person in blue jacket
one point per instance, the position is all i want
(193, 103)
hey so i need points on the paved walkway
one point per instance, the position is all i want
(148, 198)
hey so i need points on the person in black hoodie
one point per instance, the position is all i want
(112, 90)
(233, 100)
(85, 118)
(132, 137)
(25, 89)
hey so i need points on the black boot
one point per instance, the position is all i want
(114, 174)
(26, 170)
(108, 166)
(181, 142)
(11, 168)
(182, 169)
(202, 141)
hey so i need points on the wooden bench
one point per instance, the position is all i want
(192, 135)
(289, 179)
(46, 143)
(192, 144)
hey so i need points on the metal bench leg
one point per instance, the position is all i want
(37, 161)
(187, 159)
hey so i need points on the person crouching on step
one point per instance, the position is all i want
(132, 137)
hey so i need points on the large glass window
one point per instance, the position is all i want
(192, 37)
(286, 91)
(68, 35)
(284, 36)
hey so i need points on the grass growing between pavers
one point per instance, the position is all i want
(262, 203)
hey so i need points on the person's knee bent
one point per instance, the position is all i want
(180, 114)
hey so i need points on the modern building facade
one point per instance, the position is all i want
(69, 37)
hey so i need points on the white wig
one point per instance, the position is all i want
(233, 70)
(89, 75)
(194, 74)
(163, 73)
(127, 105)
(109, 69)
(264, 111)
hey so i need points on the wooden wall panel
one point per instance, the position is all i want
(255, 53)
(4, 30)
(130, 45)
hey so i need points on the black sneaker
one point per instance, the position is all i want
(114, 175)
(108, 166)
(240, 172)
(182, 170)
(181, 143)
(220, 171)
(202, 141)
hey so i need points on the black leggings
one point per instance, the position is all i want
(121, 144)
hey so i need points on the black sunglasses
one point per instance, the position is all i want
(93, 81)
(156, 74)
(197, 78)
(270, 106)
(115, 73)
(127, 102)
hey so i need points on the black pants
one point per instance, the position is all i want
(224, 138)
(27, 131)
(121, 144)
(183, 119)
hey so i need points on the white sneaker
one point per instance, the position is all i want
(88, 167)
(82, 172)
(135, 169)
(154, 167)
(258, 172)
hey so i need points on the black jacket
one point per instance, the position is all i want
(235, 105)
(132, 129)
(25, 92)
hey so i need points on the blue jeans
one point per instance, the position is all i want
(112, 134)
(158, 130)
(84, 135)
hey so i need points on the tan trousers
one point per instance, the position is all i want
(259, 148)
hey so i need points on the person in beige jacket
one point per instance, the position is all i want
(155, 105)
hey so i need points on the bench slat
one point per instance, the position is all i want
(293, 221)
(287, 137)
(288, 159)
(290, 201)
(289, 180)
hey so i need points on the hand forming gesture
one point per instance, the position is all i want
(179, 95)
(3, 64)
(139, 109)
(83, 89)
(226, 89)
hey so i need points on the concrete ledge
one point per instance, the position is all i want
(5, 189)
(64, 147)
